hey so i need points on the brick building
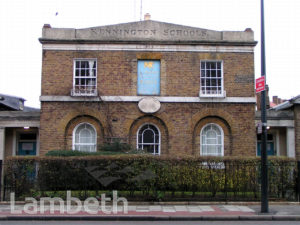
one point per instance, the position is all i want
(165, 88)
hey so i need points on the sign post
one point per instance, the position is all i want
(264, 157)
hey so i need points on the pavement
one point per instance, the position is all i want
(153, 212)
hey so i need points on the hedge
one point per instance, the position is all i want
(114, 148)
(68, 153)
(151, 175)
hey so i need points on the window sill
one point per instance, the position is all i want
(223, 95)
(84, 93)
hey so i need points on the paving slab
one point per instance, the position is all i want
(156, 212)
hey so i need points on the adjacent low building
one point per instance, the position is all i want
(19, 127)
(283, 129)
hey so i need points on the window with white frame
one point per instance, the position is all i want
(148, 139)
(85, 77)
(211, 79)
(85, 138)
(211, 140)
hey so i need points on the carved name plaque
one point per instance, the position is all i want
(147, 30)
(149, 105)
(149, 33)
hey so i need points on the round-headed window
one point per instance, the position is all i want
(148, 139)
(85, 138)
(211, 140)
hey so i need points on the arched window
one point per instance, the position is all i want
(148, 139)
(84, 138)
(211, 140)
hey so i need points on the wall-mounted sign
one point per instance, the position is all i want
(148, 77)
(149, 105)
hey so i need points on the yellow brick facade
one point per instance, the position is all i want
(179, 122)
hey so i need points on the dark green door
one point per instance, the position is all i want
(270, 145)
(270, 148)
(27, 144)
(27, 148)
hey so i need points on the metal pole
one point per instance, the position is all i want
(298, 181)
(264, 157)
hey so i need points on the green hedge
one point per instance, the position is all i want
(68, 153)
(114, 148)
(206, 176)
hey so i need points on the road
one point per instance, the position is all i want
(150, 222)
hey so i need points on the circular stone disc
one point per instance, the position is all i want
(149, 105)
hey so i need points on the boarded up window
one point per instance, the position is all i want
(148, 77)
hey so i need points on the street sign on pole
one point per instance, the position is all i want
(259, 127)
(264, 155)
(260, 84)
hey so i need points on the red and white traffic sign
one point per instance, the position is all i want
(260, 84)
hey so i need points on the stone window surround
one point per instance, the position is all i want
(203, 94)
(88, 90)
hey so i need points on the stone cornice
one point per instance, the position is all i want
(169, 99)
(147, 32)
(146, 42)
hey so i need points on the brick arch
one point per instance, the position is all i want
(227, 131)
(68, 136)
(163, 116)
(159, 123)
(217, 112)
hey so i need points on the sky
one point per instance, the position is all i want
(21, 23)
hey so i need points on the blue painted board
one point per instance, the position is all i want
(148, 77)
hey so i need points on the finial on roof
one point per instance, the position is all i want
(147, 16)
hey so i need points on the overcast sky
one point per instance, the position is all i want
(21, 23)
